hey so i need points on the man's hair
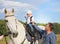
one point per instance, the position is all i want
(51, 25)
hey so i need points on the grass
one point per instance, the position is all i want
(57, 42)
(2, 41)
(58, 39)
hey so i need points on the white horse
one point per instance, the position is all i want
(16, 28)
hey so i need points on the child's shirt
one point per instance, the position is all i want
(28, 19)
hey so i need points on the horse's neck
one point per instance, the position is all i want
(10, 18)
(20, 26)
(21, 32)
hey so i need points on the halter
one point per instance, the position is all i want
(9, 16)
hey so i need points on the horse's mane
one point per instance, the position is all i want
(24, 24)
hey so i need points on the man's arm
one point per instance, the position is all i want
(39, 29)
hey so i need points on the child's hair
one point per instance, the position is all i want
(29, 12)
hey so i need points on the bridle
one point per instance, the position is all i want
(9, 16)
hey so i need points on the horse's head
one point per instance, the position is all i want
(7, 13)
(9, 17)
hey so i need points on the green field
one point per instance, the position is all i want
(57, 42)
(2, 41)
(58, 39)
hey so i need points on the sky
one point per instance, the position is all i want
(44, 11)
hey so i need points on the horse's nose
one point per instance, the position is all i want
(15, 34)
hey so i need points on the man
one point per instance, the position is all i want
(48, 35)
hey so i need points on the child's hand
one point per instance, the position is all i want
(32, 23)
(25, 16)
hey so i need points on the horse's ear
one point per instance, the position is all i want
(5, 11)
(12, 10)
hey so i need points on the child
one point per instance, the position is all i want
(29, 18)
(30, 23)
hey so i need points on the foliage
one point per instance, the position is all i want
(41, 24)
(56, 28)
(3, 29)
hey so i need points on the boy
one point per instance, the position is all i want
(29, 24)
(29, 18)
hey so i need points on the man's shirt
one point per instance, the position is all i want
(47, 38)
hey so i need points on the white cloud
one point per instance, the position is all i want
(17, 5)
(53, 9)
(41, 1)
(1, 11)
(55, 6)
(35, 2)
(42, 18)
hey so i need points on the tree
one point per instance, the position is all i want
(3, 29)
(56, 28)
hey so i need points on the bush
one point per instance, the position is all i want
(56, 28)
(3, 29)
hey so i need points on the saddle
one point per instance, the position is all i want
(33, 33)
(29, 30)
